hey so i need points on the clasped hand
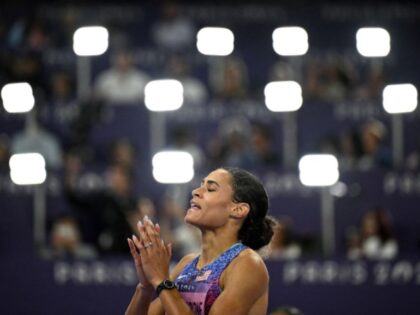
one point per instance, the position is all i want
(151, 255)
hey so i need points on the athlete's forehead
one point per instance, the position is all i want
(219, 177)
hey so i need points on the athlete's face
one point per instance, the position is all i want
(211, 203)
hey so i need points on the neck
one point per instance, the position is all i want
(213, 245)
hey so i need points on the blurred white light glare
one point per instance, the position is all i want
(318, 170)
(171, 167)
(373, 42)
(215, 41)
(290, 41)
(163, 95)
(283, 96)
(399, 98)
(90, 41)
(27, 169)
(17, 97)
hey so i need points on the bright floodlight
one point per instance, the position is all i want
(216, 41)
(170, 167)
(318, 170)
(27, 169)
(373, 42)
(290, 41)
(17, 97)
(283, 96)
(399, 98)
(90, 41)
(163, 95)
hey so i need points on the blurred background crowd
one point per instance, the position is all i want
(102, 161)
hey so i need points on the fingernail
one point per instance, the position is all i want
(140, 223)
(134, 237)
(157, 225)
(146, 218)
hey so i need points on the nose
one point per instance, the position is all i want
(196, 192)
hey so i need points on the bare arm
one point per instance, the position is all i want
(153, 267)
(245, 287)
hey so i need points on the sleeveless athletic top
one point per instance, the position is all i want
(200, 288)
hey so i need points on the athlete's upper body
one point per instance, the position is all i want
(227, 276)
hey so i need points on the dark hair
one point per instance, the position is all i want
(257, 228)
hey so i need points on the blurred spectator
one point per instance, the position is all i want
(36, 139)
(195, 92)
(182, 139)
(230, 147)
(282, 71)
(282, 244)
(229, 79)
(123, 83)
(145, 207)
(123, 153)
(376, 239)
(4, 152)
(173, 31)
(262, 147)
(63, 107)
(372, 86)
(107, 210)
(331, 79)
(28, 67)
(350, 149)
(66, 241)
(375, 151)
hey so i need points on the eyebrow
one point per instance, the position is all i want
(210, 181)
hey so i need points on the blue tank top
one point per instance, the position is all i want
(200, 288)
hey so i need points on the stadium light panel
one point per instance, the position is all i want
(27, 169)
(283, 96)
(90, 41)
(163, 95)
(17, 97)
(290, 41)
(215, 41)
(318, 170)
(399, 98)
(373, 42)
(172, 167)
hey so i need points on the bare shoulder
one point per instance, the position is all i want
(182, 263)
(248, 263)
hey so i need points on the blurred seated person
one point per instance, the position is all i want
(37, 139)
(145, 207)
(262, 147)
(66, 241)
(173, 31)
(195, 92)
(122, 152)
(4, 152)
(106, 211)
(123, 83)
(282, 245)
(375, 239)
(375, 153)
(229, 79)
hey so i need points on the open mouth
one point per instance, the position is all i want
(194, 206)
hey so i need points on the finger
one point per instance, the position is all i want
(169, 249)
(137, 243)
(151, 231)
(133, 250)
(145, 238)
